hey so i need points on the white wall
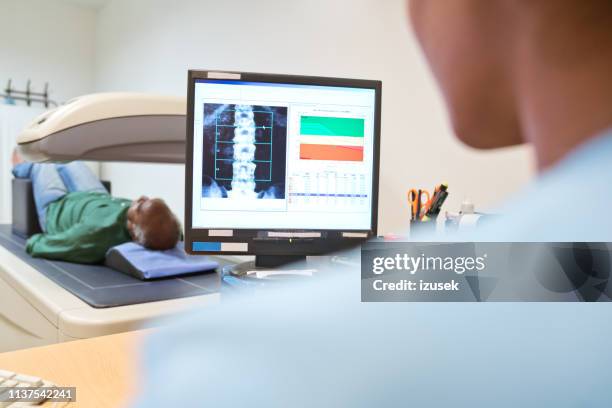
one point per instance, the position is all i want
(148, 45)
(12, 120)
(47, 41)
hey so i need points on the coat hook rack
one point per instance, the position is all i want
(29, 96)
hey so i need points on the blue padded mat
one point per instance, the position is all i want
(101, 287)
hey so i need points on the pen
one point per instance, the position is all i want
(432, 199)
(411, 201)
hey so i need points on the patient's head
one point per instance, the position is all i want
(152, 224)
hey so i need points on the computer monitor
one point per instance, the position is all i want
(280, 166)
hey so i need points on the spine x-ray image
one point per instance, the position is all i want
(244, 151)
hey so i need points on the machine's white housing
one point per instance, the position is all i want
(116, 126)
(35, 311)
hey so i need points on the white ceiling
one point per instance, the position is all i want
(88, 3)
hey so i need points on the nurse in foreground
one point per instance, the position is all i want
(511, 72)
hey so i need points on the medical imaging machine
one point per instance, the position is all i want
(43, 302)
(109, 127)
(276, 166)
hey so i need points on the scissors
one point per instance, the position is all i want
(418, 204)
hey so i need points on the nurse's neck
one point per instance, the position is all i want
(564, 87)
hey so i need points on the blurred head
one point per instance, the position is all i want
(152, 224)
(507, 66)
(466, 44)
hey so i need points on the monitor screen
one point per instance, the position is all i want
(269, 155)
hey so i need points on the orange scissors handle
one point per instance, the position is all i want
(412, 201)
(419, 201)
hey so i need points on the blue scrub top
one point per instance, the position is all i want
(317, 345)
(571, 202)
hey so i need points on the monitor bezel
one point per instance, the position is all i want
(331, 240)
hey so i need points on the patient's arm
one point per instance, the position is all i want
(81, 243)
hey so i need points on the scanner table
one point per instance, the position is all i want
(38, 308)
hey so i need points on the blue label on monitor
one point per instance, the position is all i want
(206, 246)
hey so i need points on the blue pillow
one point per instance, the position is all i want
(142, 263)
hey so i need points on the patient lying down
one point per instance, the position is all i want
(81, 220)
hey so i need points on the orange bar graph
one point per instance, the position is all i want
(330, 152)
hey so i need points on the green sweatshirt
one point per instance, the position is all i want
(81, 227)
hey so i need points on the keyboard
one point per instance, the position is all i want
(9, 379)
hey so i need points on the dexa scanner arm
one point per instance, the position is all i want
(109, 127)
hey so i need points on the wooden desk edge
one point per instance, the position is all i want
(103, 369)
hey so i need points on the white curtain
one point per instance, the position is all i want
(12, 120)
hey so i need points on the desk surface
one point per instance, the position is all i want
(103, 369)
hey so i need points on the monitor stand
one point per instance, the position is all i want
(270, 267)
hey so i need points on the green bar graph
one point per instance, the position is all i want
(330, 126)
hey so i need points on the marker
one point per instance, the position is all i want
(437, 201)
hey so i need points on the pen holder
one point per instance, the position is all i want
(422, 228)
